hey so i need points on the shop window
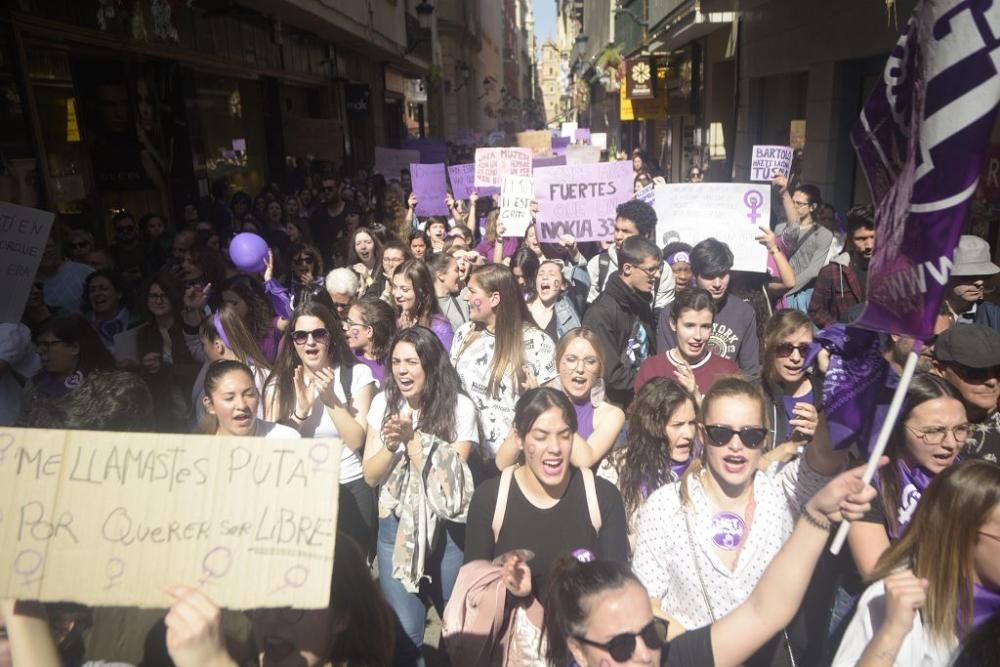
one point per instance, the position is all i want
(716, 142)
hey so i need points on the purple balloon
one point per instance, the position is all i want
(248, 252)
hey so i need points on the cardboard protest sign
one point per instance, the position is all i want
(559, 145)
(729, 212)
(462, 177)
(568, 130)
(430, 187)
(599, 139)
(555, 161)
(392, 162)
(492, 164)
(431, 151)
(582, 154)
(582, 135)
(539, 141)
(23, 233)
(581, 200)
(770, 160)
(111, 518)
(515, 204)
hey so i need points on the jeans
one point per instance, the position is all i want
(800, 300)
(442, 565)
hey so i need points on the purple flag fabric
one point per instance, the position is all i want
(858, 386)
(921, 139)
(559, 145)
(431, 151)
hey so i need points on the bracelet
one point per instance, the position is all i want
(296, 416)
(813, 521)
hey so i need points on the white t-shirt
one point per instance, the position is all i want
(319, 424)
(466, 428)
(272, 431)
(496, 415)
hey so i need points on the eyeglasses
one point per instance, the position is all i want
(936, 435)
(622, 647)
(300, 337)
(752, 437)
(782, 350)
(570, 361)
(303, 259)
(156, 296)
(651, 273)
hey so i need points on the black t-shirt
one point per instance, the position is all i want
(984, 440)
(691, 649)
(550, 533)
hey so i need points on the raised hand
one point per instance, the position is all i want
(304, 396)
(517, 575)
(805, 420)
(905, 594)
(324, 380)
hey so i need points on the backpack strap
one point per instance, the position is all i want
(506, 477)
(603, 267)
(590, 488)
(346, 377)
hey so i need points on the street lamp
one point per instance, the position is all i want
(425, 12)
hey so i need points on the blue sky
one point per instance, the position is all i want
(545, 21)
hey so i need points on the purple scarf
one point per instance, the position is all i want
(912, 483)
(985, 603)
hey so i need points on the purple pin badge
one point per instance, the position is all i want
(728, 529)
(754, 200)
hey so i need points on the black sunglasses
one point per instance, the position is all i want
(621, 647)
(782, 350)
(300, 337)
(751, 436)
(970, 374)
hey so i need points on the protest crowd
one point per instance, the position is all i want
(576, 426)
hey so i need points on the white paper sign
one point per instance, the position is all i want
(516, 194)
(769, 160)
(599, 139)
(23, 233)
(729, 212)
(568, 130)
(582, 154)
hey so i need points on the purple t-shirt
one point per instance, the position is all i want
(584, 418)
(378, 370)
(510, 246)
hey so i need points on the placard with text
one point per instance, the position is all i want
(580, 200)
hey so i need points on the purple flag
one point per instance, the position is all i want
(431, 151)
(921, 139)
(858, 386)
(559, 145)
(430, 188)
(557, 161)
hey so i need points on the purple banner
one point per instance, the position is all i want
(857, 387)
(580, 200)
(559, 145)
(462, 177)
(430, 188)
(557, 161)
(921, 139)
(432, 151)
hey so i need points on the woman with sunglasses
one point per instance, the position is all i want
(306, 279)
(370, 327)
(499, 354)
(416, 301)
(703, 542)
(550, 306)
(939, 582)
(598, 613)
(318, 387)
(659, 445)
(691, 362)
(421, 431)
(795, 397)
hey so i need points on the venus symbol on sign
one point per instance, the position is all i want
(319, 454)
(6, 441)
(27, 563)
(295, 577)
(753, 200)
(216, 564)
(115, 569)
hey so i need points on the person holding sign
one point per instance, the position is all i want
(690, 362)
(500, 353)
(805, 241)
(421, 431)
(319, 388)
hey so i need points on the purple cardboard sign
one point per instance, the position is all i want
(430, 188)
(582, 135)
(559, 145)
(432, 151)
(556, 161)
(921, 139)
(462, 177)
(580, 200)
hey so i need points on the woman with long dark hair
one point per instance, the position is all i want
(319, 388)
(232, 402)
(421, 431)
(370, 327)
(247, 296)
(416, 302)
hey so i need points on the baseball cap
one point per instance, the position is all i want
(971, 345)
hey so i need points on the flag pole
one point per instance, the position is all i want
(883, 436)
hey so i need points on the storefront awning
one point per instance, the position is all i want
(687, 27)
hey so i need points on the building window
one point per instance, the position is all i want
(716, 142)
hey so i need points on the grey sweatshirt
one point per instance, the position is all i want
(808, 259)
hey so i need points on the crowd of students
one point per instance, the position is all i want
(593, 453)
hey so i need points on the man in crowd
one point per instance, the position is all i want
(633, 218)
(971, 272)
(734, 331)
(898, 348)
(127, 250)
(968, 357)
(62, 280)
(842, 283)
(622, 316)
(327, 223)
